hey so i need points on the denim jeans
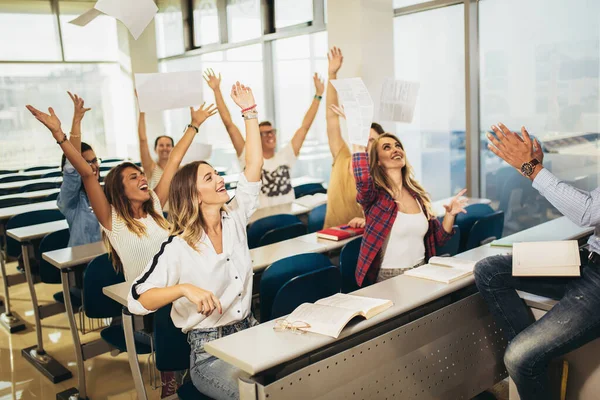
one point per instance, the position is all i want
(211, 376)
(571, 323)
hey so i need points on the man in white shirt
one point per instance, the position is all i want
(277, 168)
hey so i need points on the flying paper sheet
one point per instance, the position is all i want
(398, 100)
(134, 14)
(197, 152)
(165, 91)
(358, 107)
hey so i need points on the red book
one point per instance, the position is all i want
(340, 233)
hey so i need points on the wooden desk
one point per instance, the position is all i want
(73, 256)
(7, 212)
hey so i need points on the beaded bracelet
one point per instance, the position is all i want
(248, 109)
(253, 114)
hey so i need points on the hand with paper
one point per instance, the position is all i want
(358, 107)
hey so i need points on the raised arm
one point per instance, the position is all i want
(235, 135)
(243, 97)
(197, 118)
(366, 193)
(309, 117)
(148, 163)
(94, 191)
(78, 112)
(334, 133)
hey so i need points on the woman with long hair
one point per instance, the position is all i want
(129, 212)
(401, 229)
(204, 267)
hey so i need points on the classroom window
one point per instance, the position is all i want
(548, 83)
(406, 3)
(292, 12)
(169, 28)
(243, 20)
(429, 49)
(206, 22)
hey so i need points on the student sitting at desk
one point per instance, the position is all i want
(72, 200)
(575, 320)
(204, 268)
(401, 230)
(129, 212)
(277, 169)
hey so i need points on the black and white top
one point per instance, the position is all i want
(227, 275)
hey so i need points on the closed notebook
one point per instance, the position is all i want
(330, 315)
(559, 258)
(340, 232)
(443, 269)
(312, 200)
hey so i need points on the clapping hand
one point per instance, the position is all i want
(50, 121)
(78, 106)
(211, 79)
(242, 96)
(512, 148)
(457, 204)
(319, 84)
(200, 115)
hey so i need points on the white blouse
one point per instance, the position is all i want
(405, 245)
(227, 275)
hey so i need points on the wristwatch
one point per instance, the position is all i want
(191, 126)
(528, 167)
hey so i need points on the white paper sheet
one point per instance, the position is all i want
(134, 14)
(166, 91)
(398, 100)
(358, 107)
(197, 152)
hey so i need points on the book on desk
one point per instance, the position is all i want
(557, 258)
(443, 269)
(338, 233)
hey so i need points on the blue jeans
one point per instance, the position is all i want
(570, 324)
(211, 376)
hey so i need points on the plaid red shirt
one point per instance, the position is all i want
(380, 214)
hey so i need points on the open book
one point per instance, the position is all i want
(546, 258)
(312, 200)
(330, 315)
(443, 269)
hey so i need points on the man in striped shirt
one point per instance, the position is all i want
(575, 320)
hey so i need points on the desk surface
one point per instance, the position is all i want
(260, 348)
(73, 256)
(37, 231)
(118, 292)
(54, 179)
(36, 194)
(7, 212)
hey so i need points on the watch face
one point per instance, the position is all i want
(527, 169)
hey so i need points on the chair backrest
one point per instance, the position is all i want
(306, 288)
(465, 221)
(40, 167)
(16, 178)
(105, 160)
(52, 196)
(316, 218)
(52, 241)
(486, 229)
(258, 228)
(52, 174)
(282, 271)
(13, 248)
(105, 168)
(8, 171)
(98, 274)
(38, 186)
(15, 201)
(348, 262)
(308, 188)
(283, 233)
(451, 247)
(170, 344)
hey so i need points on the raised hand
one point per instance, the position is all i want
(457, 204)
(319, 84)
(79, 109)
(200, 115)
(211, 79)
(511, 147)
(206, 302)
(242, 96)
(338, 110)
(50, 121)
(336, 59)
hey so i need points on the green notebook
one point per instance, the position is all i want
(501, 243)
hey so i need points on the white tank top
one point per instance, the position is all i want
(405, 246)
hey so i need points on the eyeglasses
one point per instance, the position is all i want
(267, 133)
(297, 327)
(95, 161)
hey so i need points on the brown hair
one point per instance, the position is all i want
(115, 194)
(381, 180)
(264, 123)
(378, 128)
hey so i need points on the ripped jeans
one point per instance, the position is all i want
(570, 324)
(211, 376)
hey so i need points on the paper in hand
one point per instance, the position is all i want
(398, 100)
(166, 91)
(358, 107)
(134, 14)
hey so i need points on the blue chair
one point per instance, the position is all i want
(16, 178)
(105, 160)
(466, 221)
(13, 248)
(283, 233)
(451, 246)
(172, 350)
(348, 262)
(308, 189)
(104, 168)
(486, 229)
(316, 218)
(15, 201)
(306, 288)
(8, 171)
(40, 167)
(52, 196)
(282, 271)
(38, 186)
(258, 228)
(52, 174)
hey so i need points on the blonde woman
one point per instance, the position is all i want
(401, 231)
(204, 267)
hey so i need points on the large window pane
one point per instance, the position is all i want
(543, 75)
(169, 28)
(206, 22)
(292, 12)
(28, 31)
(406, 3)
(295, 61)
(429, 48)
(95, 42)
(243, 20)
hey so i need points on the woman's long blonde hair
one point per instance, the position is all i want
(115, 194)
(381, 180)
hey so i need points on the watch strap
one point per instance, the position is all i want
(193, 127)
